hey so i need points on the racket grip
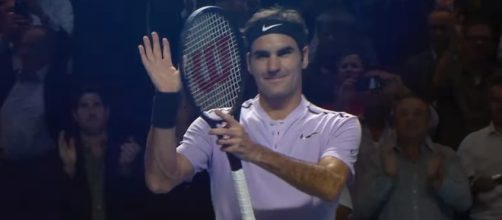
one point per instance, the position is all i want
(243, 197)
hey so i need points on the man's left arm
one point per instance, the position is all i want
(324, 179)
(453, 186)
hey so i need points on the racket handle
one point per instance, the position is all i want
(235, 162)
(243, 197)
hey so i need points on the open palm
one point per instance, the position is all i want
(158, 64)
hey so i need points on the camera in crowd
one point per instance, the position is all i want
(369, 83)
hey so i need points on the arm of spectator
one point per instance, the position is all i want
(454, 185)
(393, 85)
(372, 199)
(380, 178)
(68, 154)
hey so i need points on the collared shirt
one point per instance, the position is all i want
(24, 130)
(308, 133)
(481, 155)
(409, 195)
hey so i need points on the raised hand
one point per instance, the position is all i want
(234, 139)
(435, 168)
(129, 151)
(389, 155)
(67, 153)
(158, 64)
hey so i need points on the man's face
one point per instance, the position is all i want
(496, 103)
(91, 115)
(276, 63)
(479, 42)
(412, 119)
(441, 29)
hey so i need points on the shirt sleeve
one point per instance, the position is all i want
(464, 154)
(454, 190)
(197, 145)
(344, 140)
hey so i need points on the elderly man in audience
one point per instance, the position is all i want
(414, 178)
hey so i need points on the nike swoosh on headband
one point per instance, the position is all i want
(266, 28)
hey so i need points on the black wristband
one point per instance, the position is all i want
(164, 109)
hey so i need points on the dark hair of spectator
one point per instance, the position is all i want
(88, 89)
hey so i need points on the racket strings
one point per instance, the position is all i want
(215, 80)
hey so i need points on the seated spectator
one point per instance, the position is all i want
(414, 178)
(480, 154)
(102, 164)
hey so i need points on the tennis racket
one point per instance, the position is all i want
(212, 64)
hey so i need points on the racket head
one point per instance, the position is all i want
(212, 67)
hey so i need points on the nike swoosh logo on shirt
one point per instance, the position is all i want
(308, 136)
(266, 28)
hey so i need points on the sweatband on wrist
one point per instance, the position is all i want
(164, 109)
(276, 26)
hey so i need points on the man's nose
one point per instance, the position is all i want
(274, 64)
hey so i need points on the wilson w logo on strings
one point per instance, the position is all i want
(212, 64)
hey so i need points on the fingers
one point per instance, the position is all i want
(148, 48)
(223, 132)
(142, 54)
(166, 50)
(225, 143)
(129, 152)
(156, 46)
(227, 118)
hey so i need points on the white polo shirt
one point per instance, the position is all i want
(308, 133)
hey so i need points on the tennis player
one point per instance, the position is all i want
(296, 156)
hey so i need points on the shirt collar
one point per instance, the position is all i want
(292, 116)
(428, 144)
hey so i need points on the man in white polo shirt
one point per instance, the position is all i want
(296, 156)
(481, 155)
